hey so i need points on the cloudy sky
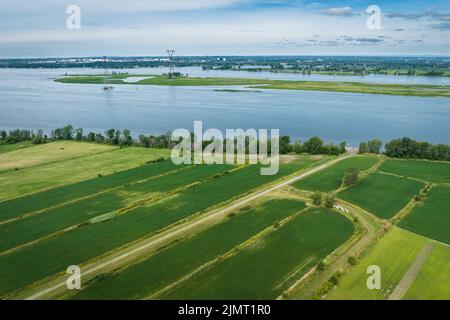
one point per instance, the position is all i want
(223, 27)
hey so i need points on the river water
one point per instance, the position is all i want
(29, 98)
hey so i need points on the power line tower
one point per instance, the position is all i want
(171, 54)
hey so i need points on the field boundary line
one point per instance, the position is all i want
(412, 273)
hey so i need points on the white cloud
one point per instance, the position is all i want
(344, 11)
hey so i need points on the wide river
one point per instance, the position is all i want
(29, 98)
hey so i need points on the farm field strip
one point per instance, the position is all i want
(69, 216)
(49, 199)
(149, 276)
(438, 172)
(393, 253)
(52, 256)
(15, 184)
(431, 218)
(15, 146)
(381, 194)
(258, 270)
(331, 178)
(432, 281)
(411, 274)
(49, 153)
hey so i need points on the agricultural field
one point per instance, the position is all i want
(30, 180)
(15, 146)
(48, 153)
(149, 276)
(394, 254)
(266, 266)
(331, 178)
(433, 279)
(94, 237)
(438, 172)
(432, 217)
(381, 194)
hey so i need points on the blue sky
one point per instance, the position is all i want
(223, 27)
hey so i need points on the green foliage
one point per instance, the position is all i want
(321, 265)
(330, 200)
(352, 260)
(409, 148)
(351, 176)
(317, 199)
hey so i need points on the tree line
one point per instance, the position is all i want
(397, 148)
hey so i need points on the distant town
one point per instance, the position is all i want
(347, 65)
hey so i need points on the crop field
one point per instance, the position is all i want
(381, 194)
(15, 146)
(45, 199)
(264, 268)
(149, 276)
(432, 217)
(433, 279)
(57, 219)
(331, 178)
(48, 153)
(89, 240)
(425, 170)
(29, 180)
(394, 254)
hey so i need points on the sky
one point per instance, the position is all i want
(222, 27)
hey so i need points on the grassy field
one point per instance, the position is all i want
(15, 146)
(60, 195)
(438, 172)
(53, 255)
(149, 276)
(431, 218)
(331, 178)
(264, 269)
(355, 87)
(394, 254)
(433, 279)
(381, 194)
(29, 180)
(49, 153)
(60, 218)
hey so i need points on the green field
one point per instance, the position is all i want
(60, 218)
(425, 170)
(331, 178)
(394, 254)
(49, 153)
(149, 276)
(29, 180)
(15, 146)
(53, 255)
(264, 269)
(431, 218)
(45, 200)
(433, 281)
(355, 87)
(381, 194)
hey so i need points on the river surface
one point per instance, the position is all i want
(29, 98)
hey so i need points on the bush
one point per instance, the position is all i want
(352, 260)
(317, 199)
(330, 201)
(321, 265)
(351, 176)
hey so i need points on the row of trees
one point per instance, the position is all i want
(409, 148)
(398, 148)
